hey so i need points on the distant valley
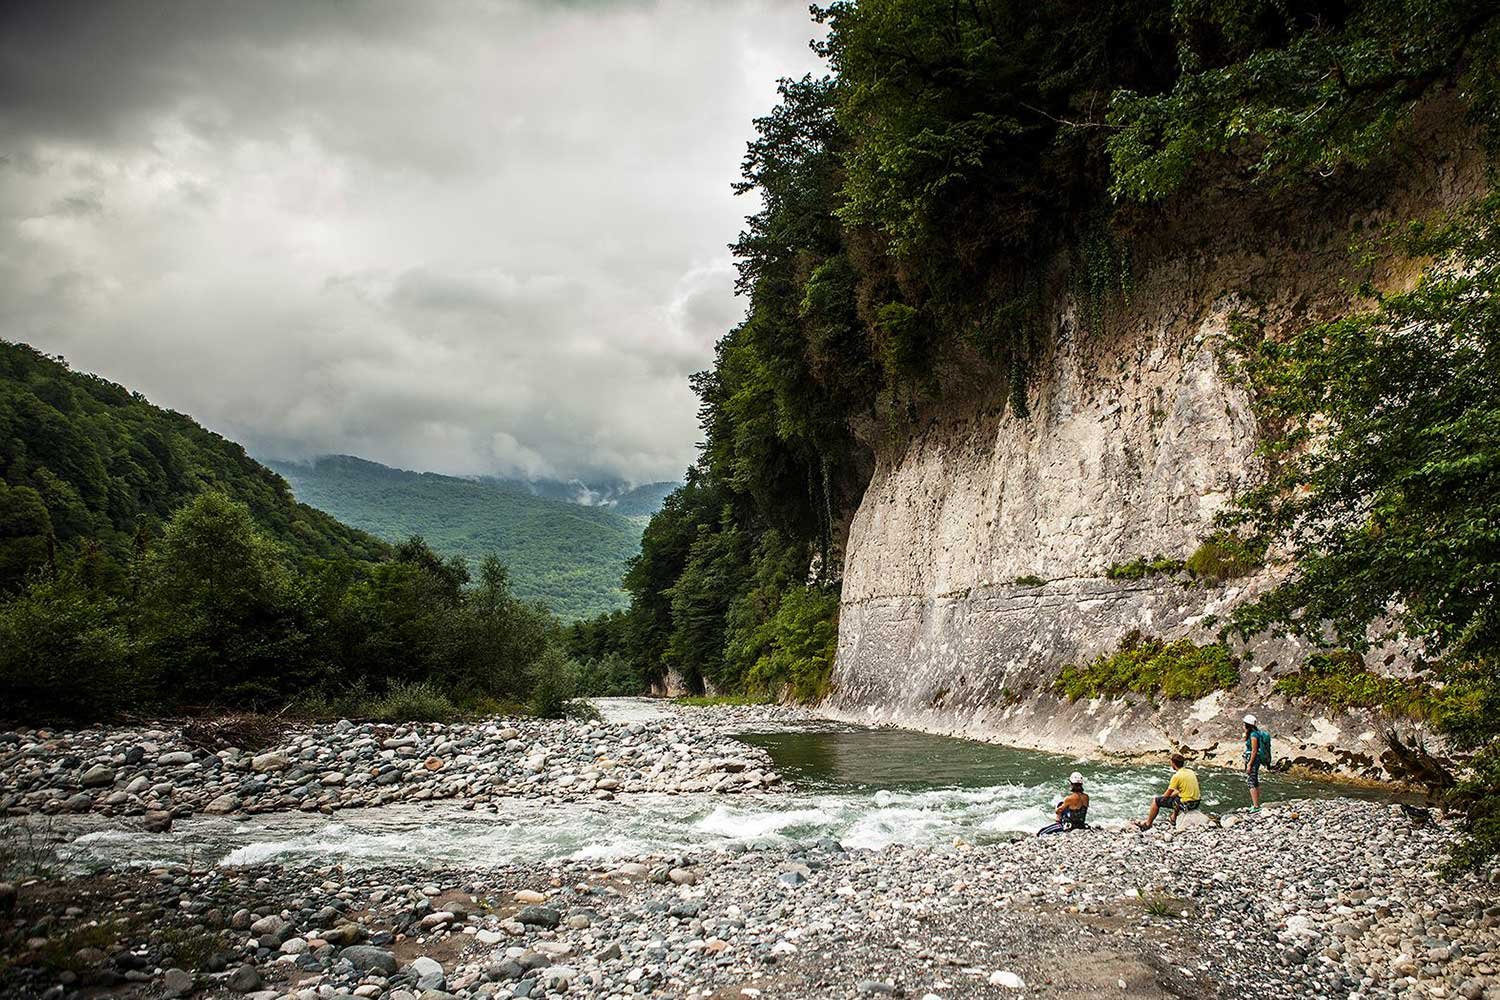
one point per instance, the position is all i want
(565, 543)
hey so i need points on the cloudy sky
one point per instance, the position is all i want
(470, 237)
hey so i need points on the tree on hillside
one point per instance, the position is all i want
(218, 608)
(26, 540)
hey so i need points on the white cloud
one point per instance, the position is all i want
(470, 237)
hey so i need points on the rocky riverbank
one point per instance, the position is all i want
(160, 772)
(1334, 899)
(1331, 898)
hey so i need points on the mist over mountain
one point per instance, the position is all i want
(620, 495)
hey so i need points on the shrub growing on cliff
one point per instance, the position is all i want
(1386, 477)
(1139, 569)
(1150, 666)
(1339, 679)
(1224, 555)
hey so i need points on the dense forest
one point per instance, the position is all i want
(147, 564)
(83, 459)
(963, 164)
(566, 555)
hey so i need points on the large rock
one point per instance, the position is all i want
(539, 916)
(269, 762)
(367, 958)
(177, 983)
(1197, 819)
(423, 966)
(98, 776)
(243, 980)
(226, 803)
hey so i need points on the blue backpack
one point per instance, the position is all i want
(1263, 748)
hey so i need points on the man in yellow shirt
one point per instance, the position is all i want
(1182, 794)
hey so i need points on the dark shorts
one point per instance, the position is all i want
(1252, 776)
(1173, 802)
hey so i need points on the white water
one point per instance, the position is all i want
(445, 833)
(864, 788)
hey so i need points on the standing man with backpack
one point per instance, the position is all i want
(1257, 752)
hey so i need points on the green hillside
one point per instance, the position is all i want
(569, 556)
(83, 458)
(642, 501)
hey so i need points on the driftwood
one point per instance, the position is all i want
(1414, 762)
(246, 732)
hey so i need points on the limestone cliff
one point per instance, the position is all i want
(1138, 435)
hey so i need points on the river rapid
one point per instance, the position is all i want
(864, 788)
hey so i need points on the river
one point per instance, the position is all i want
(863, 787)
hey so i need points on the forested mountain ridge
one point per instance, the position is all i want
(148, 564)
(567, 555)
(82, 458)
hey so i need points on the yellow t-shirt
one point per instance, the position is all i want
(1185, 783)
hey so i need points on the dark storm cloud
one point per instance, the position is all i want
(473, 237)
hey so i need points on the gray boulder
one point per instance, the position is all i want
(539, 916)
(368, 958)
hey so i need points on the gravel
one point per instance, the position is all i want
(1331, 898)
(323, 768)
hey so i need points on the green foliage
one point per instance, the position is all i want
(799, 644)
(602, 649)
(215, 615)
(1385, 483)
(109, 468)
(1339, 679)
(66, 654)
(218, 606)
(1161, 906)
(905, 343)
(711, 577)
(555, 688)
(1150, 666)
(610, 676)
(26, 539)
(1224, 555)
(566, 555)
(960, 112)
(1101, 272)
(417, 701)
(1387, 462)
(1479, 792)
(1280, 92)
(1139, 569)
(1029, 580)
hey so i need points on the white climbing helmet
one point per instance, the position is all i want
(1249, 720)
(1075, 778)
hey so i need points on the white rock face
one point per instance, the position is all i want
(1139, 434)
